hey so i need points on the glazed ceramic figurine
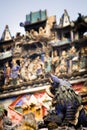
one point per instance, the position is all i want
(75, 59)
(55, 60)
(7, 73)
(83, 59)
(63, 63)
(48, 63)
(66, 105)
(14, 72)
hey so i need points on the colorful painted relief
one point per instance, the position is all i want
(37, 103)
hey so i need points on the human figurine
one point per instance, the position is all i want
(63, 63)
(7, 73)
(69, 60)
(48, 63)
(14, 72)
(83, 59)
(75, 59)
(41, 31)
(22, 70)
(40, 67)
(33, 34)
(31, 72)
(55, 60)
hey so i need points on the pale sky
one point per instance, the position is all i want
(12, 12)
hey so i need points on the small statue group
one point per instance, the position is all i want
(11, 73)
(69, 61)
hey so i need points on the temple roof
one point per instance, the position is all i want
(34, 17)
(65, 19)
(34, 20)
(6, 35)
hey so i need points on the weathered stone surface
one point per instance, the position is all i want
(28, 123)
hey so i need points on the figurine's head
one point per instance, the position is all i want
(55, 53)
(83, 51)
(73, 49)
(63, 53)
(7, 64)
(54, 80)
